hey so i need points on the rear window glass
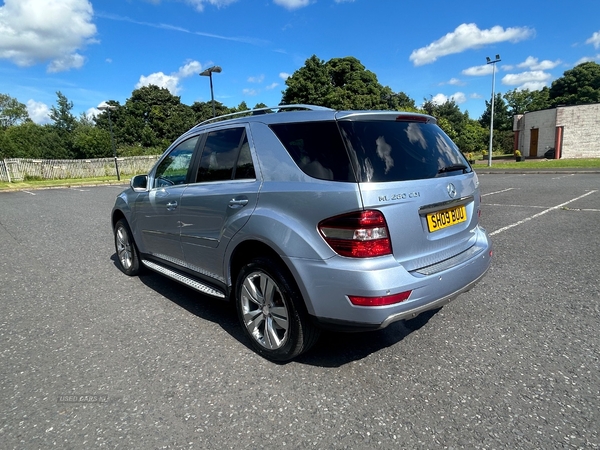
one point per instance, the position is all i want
(317, 148)
(397, 151)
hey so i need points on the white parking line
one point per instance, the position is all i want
(497, 192)
(540, 214)
(30, 193)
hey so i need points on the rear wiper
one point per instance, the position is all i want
(453, 168)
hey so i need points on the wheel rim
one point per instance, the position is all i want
(124, 248)
(266, 316)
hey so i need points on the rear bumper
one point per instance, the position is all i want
(331, 281)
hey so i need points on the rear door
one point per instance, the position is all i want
(413, 173)
(220, 200)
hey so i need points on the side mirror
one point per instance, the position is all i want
(139, 183)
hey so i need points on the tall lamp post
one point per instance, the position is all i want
(106, 107)
(208, 73)
(493, 63)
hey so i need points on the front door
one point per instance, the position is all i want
(533, 142)
(158, 209)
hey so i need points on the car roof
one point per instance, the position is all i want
(307, 113)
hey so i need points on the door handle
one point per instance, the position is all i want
(171, 206)
(236, 203)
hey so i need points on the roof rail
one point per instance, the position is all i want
(268, 110)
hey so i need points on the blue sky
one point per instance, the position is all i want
(98, 50)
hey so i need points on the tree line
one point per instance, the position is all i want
(153, 117)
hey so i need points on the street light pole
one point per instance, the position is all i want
(208, 73)
(106, 107)
(493, 63)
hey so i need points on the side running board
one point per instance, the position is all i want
(194, 284)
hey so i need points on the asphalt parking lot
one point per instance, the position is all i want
(91, 358)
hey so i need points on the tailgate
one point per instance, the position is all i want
(429, 220)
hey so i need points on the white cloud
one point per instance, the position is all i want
(35, 31)
(464, 37)
(284, 75)
(453, 82)
(92, 112)
(478, 71)
(172, 81)
(533, 64)
(594, 40)
(258, 79)
(532, 80)
(292, 4)
(38, 112)
(440, 99)
(190, 69)
(74, 61)
(251, 92)
(199, 4)
(459, 97)
(272, 86)
(588, 59)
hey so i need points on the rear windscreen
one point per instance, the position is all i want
(397, 151)
(371, 151)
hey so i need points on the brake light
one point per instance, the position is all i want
(412, 118)
(361, 234)
(379, 301)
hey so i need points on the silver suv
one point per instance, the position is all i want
(309, 218)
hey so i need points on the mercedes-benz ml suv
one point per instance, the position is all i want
(307, 218)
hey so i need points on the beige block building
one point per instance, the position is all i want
(573, 131)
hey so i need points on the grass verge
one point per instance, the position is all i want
(39, 184)
(541, 164)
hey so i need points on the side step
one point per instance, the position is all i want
(194, 284)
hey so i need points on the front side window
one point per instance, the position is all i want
(401, 150)
(225, 156)
(173, 169)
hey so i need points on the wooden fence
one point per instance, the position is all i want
(19, 169)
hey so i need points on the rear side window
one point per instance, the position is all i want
(225, 156)
(397, 151)
(317, 148)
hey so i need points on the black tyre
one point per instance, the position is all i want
(127, 253)
(271, 311)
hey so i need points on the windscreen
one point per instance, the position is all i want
(383, 150)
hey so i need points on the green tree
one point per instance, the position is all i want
(503, 119)
(352, 86)
(203, 110)
(520, 101)
(151, 117)
(473, 137)
(310, 84)
(61, 115)
(30, 140)
(341, 83)
(12, 112)
(397, 101)
(90, 141)
(578, 86)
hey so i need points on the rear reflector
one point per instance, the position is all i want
(361, 234)
(379, 301)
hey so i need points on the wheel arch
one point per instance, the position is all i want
(247, 251)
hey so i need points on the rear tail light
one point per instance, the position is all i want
(362, 234)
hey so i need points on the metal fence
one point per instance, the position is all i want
(19, 169)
